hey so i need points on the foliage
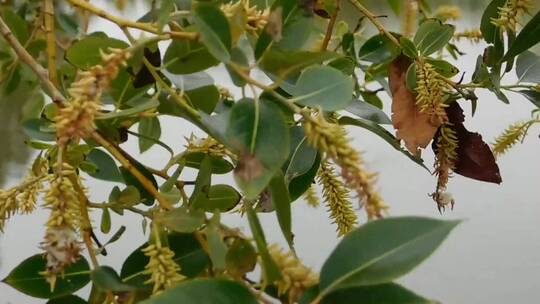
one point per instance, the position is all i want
(284, 138)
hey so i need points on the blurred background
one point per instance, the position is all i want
(492, 257)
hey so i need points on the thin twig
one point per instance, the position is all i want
(330, 28)
(121, 22)
(374, 20)
(48, 17)
(25, 57)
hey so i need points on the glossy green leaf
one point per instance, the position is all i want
(528, 67)
(105, 278)
(106, 166)
(27, 279)
(382, 133)
(214, 29)
(39, 129)
(300, 184)
(532, 96)
(204, 98)
(219, 165)
(216, 247)
(105, 225)
(205, 291)
(17, 25)
(258, 133)
(143, 106)
(324, 87)
(367, 111)
(432, 36)
(410, 78)
(282, 63)
(181, 219)
(204, 179)
(443, 67)
(71, 299)
(378, 49)
(187, 253)
(489, 31)
(186, 57)
(528, 37)
(408, 47)
(149, 127)
(281, 13)
(270, 270)
(86, 53)
(281, 202)
(217, 197)
(377, 294)
(302, 155)
(382, 251)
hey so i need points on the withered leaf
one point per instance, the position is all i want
(413, 127)
(474, 157)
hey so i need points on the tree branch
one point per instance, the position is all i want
(48, 17)
(25, 57)
(374, 20)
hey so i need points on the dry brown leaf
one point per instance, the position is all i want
(413, 127)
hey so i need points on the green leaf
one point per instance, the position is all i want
(204, 179)
(410, 78)
(528, 67)
(408, 47)
(432, 35)
(71, 299)
(241, 257)
(219, 165)
(146, 197)
(382, 133)
(105, 278)
(85, 53)
(528, 37)
(128, 197)
(181, 219)
(39, 129)
(214, 29)
(216, 247)
(105, 225)
(187, 253)
(302, 155)
(164, 12)
(296, 31)
(204, 98)
(324, 87)
(148, 127)
(220, 197)
(17, 25)
(205, 291)
(395, 5)
(281, 202)
(143, 106)
(532, 96)
(282, 63)
(381, 251)
(186, 57)
(367, 111)
(378, 49)
(443, 67)
(299, 184)
(27, 279)
(490, 32)
(106, 166)
(270, 270)
(377, 294)
(258, 133)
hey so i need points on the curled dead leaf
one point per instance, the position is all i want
(474, 157)
(414, 128)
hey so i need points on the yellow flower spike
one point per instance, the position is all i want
(332, 139)
(447, 144)
(431, 91)
(448, 12)
(311, 198)
(337, 199)
(208, 145)
(474, 36)
(163, 270)
(296, 277)
(76, 119)
(511, 136)
(511, 13)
